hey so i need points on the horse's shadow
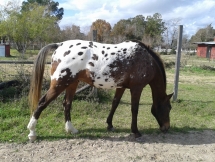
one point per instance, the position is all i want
(192, 137)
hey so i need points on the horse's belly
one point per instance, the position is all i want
(105, 83)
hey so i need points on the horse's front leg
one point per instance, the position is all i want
(135, 98)
(67, 103)
(118, 95)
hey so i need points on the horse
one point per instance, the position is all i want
(127, 65)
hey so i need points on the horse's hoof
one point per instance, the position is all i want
(32, 138)
(111, 129)
(74, 131)
(137, 135)
(139, 139)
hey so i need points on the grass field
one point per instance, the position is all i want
(194, 110)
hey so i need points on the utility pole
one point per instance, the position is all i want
(177, 62)
(94, 91)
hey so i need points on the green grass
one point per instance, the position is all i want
(194, 110)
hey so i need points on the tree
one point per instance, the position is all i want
(171, 32)
(103, 30)
(132, 28)
(72, 32)
(203, 35)
(26, 27)
(138, 25)
(51, 7)
(121, 31)
(154, 30)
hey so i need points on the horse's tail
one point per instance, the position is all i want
(37, 75)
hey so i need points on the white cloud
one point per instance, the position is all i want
(4, 2)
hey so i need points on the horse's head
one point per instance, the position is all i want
(161, 113)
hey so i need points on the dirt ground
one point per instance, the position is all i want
(192, 146)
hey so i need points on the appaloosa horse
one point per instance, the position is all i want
(130, 64)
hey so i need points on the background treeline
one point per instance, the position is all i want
(36, 22)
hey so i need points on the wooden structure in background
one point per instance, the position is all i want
(4, 50)
(206, 49)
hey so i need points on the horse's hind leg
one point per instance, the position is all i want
(67, 103)
(44, 101)
(118, 95)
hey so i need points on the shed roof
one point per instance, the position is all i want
(209, 43)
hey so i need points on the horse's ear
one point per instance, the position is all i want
(170, 95)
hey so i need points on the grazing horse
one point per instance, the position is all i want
(130, 64)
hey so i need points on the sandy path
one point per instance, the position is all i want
(192, 146)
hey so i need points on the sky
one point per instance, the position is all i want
(193, 14)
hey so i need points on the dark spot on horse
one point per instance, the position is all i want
(105, 73)
(59, 60)
(137, 50)
(103, 52)
(115, 47)
(70, 46)
(95, 57)
(93, 74)
(95, 46)
(63, 71)
(98, 77)
(111, 65)
(125, 49)
(66, 53)
(106, 58)
(80, 53)
(61, 44)
(67, 70)
(93, 80)
(103, 46)
(124, 52)
(78, 44)
(73, 58)
(106, 80)
(84, 47)
(113, 53)
(106, 55)
(91, 44)
(82, 59)
(118, 51)
(101, 84)
(92, 64)
(108, 48)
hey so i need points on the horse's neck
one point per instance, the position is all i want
(158, 87)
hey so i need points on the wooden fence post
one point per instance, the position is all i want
(177, 62)
(95, 35)
(95, 91)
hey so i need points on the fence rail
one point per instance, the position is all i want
(19, 62)
(9, 83)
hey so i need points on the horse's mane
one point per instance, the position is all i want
(156, 57)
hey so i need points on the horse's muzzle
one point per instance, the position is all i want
(165, 127)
